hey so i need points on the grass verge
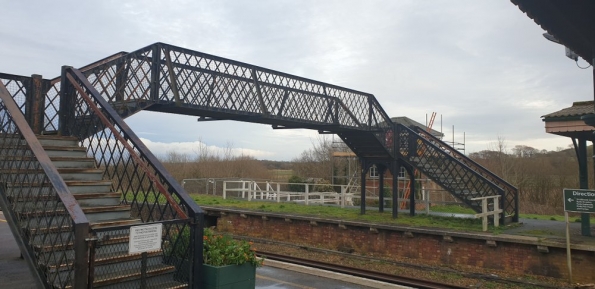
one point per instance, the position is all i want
(349, 214)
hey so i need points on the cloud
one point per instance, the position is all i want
(483, 65)
(196, 148)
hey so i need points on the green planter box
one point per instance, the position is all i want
(229, 277)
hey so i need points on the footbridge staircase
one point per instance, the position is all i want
(75, 178)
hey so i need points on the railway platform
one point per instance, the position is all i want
(15, 274)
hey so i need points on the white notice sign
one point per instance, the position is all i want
(145, 238)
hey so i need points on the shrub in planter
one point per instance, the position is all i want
(220, 250)
(227, 263)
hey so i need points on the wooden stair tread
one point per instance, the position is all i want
(78, 196)
(86, 210)
(51, 229)
(56, 137)
(115, 223)
(69, 183)
(132, 274)
(84, 196)
(103, 258)
(60, 170)
(101, 209)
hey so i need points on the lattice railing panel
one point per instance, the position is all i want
(510, 192)
(150, 191)
(166, 74)
(34, 195)
(447, 171)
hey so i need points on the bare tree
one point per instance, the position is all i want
(316, 162)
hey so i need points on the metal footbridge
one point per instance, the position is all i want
(71, 233)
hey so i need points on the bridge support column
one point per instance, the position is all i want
(66, 104)
(381, 170)
(411, 174)
(396, 168)
(364, 166)
(35, 102)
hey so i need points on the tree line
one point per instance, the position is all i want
(539, 175)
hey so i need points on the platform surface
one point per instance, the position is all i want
(15, 274)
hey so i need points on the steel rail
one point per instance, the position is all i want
(378, 276)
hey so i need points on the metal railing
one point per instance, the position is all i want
(446, 170)
(276, 191)
(167, 78)
(151, 192)
(511, 194)
(46, 220)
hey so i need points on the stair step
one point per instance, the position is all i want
(115, 223)
(47, 234)
(75, 187)
(86, 210)
(57, 151)
(49, 227)
(99, 217)
(54, 140)
(85, 187)
(59, 162)
(24, 203)
(67, 174)
(45, 140)
(73, 162)
(104, 255)
(52, 151)
(157, 282)
(106, 213)
(98, 199)
(104, 279)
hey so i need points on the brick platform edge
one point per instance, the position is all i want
(433, 247)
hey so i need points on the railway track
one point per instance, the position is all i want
(389, 278)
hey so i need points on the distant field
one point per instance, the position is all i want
(281, 175)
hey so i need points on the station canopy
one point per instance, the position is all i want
(571, 22)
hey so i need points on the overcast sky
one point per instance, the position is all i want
(483, 65)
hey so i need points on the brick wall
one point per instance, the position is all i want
(521, 255)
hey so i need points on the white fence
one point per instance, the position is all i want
(343, 195)
(485, 212)
(252, 190)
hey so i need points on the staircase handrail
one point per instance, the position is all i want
(159, 177)
(457, 154)
(456, 160)
(75, 212)
(76, 77)
(112, 58)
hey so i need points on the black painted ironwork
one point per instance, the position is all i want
(49, 225)
(166, 78)
(452, 171)
(510, 201)
(152, 193)
(91, 103)
(171, 79)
